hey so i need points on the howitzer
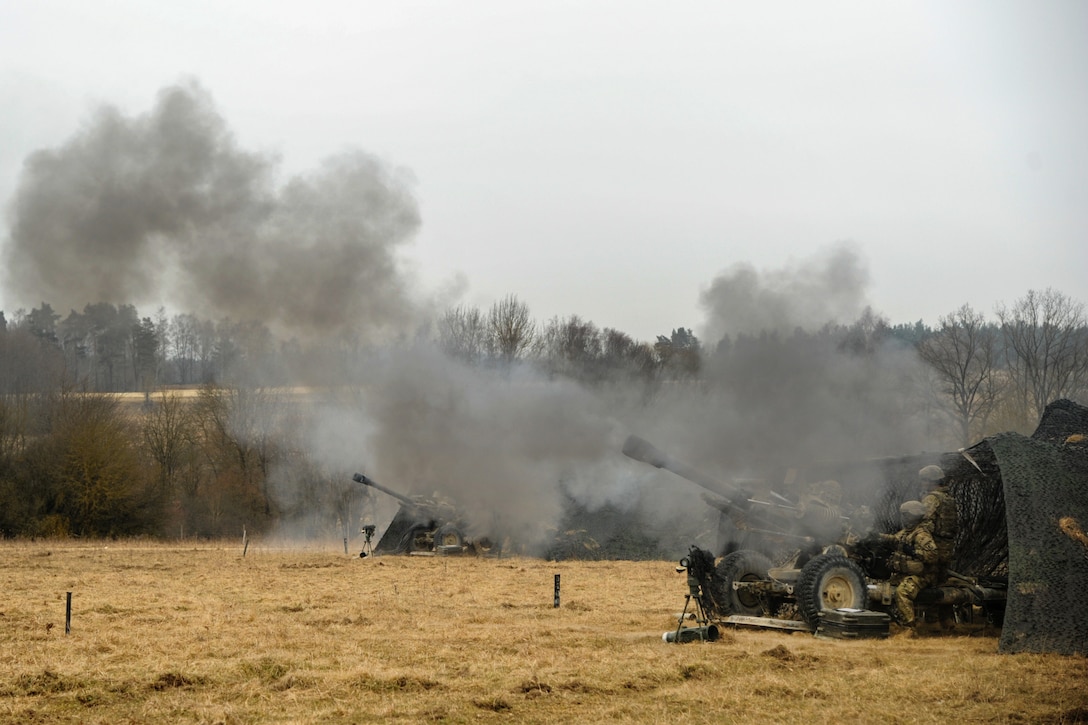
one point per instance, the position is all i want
(365, 480)
(884, 545)
(644, 451)
(874, 551)
(734, 496)
(742, 514)
(421, 525)
(822, 568)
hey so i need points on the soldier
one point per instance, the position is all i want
(942, 521)
(913, 561)
(941, 517)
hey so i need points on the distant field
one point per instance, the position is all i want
(197, 633)
(295, 393)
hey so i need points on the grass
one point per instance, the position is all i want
(200, 634)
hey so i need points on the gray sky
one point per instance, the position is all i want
(613, 159)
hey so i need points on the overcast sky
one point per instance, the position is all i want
(612, 159)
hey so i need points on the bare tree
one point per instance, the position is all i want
(243, 433)
(963, 354)
(167, 437)
(512, 329)
(571, 346)
(1046, 346)
(462, 333)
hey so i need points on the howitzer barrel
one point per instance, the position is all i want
(644, 451)
(360, 478)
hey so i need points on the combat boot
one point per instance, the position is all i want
(904, 631)
(900, 629)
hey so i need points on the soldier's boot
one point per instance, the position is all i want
(903, 631)
(903, 622)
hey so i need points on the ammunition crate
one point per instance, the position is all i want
(852, 624)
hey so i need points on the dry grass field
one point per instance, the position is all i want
(199, 633)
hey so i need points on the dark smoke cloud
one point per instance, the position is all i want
(828, 287)
(164, 208)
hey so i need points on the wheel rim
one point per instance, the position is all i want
(837, 591)
(747, 599)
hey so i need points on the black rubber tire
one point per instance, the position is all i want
(486, 547)
(830, 581)
(409, 542)
(740, 566)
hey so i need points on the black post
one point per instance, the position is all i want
(556, 600)
(68, 615)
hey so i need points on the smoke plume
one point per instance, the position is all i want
(797, 369)
(164, 208)
(829, 287)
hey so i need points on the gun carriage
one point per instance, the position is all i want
(786, 564)
(423, 525)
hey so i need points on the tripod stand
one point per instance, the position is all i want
(697, 573)
(368, 538)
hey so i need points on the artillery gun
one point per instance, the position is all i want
(422, 525)
(768, 522)
(826, 561)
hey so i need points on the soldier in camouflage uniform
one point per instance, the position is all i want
(941, 517)
(913, 562)
(942, 520)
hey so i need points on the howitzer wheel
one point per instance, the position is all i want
(830, 581)
(417, 538)
(449, 536)
(740, 566)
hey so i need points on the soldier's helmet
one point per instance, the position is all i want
(910, 513)
(931, 474)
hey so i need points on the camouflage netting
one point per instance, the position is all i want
(976, 478)
(975, 482)
(1046, 496)
(1062, 420)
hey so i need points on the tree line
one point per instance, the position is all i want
(77, 458)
